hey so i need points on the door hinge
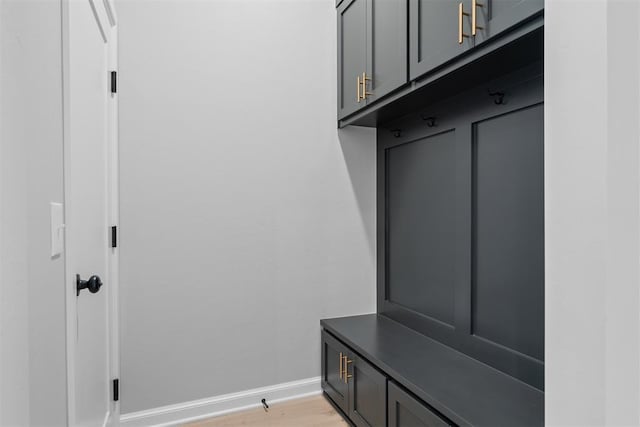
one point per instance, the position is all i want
(114, 80)
(114, 236)
(116, 390)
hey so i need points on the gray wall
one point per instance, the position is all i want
(245, 216)
(32, 311)
(592, 212)
(14, 314)
(622, 306)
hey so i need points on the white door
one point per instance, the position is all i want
(87, 118)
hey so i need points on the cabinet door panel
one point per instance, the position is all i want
(387, 46)
(352, 53)
(406, 411)
(421, 182)
(367, 394)
(433, 34)
(332, 382)
(496, 16)
(508, 237)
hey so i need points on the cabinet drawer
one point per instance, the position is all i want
(406, 411)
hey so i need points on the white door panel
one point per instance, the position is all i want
(86, 94)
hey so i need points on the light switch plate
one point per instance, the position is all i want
(57, 229)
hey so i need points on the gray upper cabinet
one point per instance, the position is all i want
(439, 30)
(387, 47)
(352, 54)
(372, 51)
(495, 16)
(384, 44)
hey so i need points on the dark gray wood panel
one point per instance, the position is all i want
(462, 389)
(352, 54)
(332, 382)
(496, 16)
(522, 90)
(367, 394)
(508, 241)
(402, 417)
(420, 185)
(433, 34)
(387, 46)
(406, 411)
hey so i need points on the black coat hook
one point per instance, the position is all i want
(431, 121)
(396, 132)
(498, 97)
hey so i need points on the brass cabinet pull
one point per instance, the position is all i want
(341, 355)
(474, 17)
(346, 369)
(365, 79)
(461, 13)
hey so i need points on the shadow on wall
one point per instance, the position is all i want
(358, 146)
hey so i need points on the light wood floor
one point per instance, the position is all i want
(309, 412)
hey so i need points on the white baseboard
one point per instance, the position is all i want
(215, 406)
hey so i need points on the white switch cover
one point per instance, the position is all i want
(57, 229)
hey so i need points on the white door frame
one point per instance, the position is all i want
(114, 214)
(105, 15)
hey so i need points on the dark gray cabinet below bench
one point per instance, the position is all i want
(378, 372)
(407, 411)
(354, 385)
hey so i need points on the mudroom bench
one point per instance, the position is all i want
(378, 372)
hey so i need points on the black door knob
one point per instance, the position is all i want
(93, 284)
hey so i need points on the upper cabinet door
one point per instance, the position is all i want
(495, 16)
(352, 55)
(439, 30)
(386, 47)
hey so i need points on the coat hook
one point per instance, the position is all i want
(396, 132)
(431, 121)
(498, 97)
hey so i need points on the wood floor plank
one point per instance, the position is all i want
(312, 411)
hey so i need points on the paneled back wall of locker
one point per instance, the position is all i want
(461, 200)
